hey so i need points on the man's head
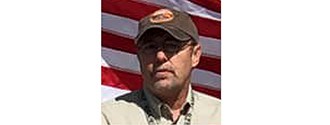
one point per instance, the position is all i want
(168, 50)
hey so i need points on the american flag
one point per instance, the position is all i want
(120, 67)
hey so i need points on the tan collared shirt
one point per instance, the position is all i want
(160, 112)
(141, 108)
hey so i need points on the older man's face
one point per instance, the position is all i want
(166, 63)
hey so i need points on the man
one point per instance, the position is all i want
(168, 50)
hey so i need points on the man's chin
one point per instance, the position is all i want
(164, 85)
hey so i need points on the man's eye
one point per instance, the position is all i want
(150, 46)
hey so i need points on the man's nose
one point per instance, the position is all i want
(161, 56)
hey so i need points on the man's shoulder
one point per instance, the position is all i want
(124, 109)
(206, 99)
(131, 99)
(206, 104)
(207, 109)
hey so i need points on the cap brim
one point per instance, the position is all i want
(175, 32)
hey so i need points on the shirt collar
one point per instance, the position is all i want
(155, 104)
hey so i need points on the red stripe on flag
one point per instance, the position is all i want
(214, 5)
(113, 41)
(206, 27)
(127, 8)
(130, 81)
(120, 79)
(124, 44)
(210, 64)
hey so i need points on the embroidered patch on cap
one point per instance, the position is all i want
(160, 16)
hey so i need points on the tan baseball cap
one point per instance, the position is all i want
(176, 23)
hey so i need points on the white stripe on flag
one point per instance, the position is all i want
(103, 63)
(109, 92)
(120, 24)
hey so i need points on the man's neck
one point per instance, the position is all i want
(175, 101)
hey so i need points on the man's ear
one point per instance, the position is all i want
(196, 55)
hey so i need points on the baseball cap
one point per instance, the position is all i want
(177, 23)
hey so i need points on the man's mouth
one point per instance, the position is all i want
(162, 73)
(163, 70)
